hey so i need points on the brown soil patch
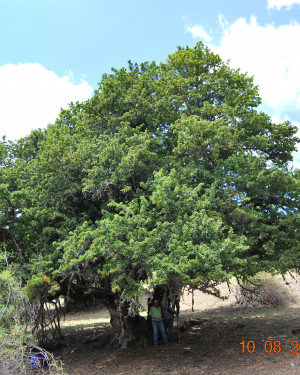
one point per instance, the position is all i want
(210, 347)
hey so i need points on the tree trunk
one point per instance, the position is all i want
(113, 304)
(129, 327)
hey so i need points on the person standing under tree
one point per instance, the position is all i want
(168, 319)
(157, 322)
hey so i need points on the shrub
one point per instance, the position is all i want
(17, 313)
(16, 358)
(262, 290)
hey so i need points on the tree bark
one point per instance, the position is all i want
(113, 305)
(129, 327)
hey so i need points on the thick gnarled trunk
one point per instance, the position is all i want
(129, 327)
(116, 320)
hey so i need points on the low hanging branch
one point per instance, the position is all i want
(47, 324)
(242, 285)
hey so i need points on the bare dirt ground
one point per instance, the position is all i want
(209, 345)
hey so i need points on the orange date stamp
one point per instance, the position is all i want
(270, 347)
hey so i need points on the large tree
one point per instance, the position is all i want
(168, 175)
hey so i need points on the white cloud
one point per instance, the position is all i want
(271, 55)
(282, 3)
(31, 97)
(199, 32)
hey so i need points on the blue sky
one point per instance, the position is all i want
(54, 52)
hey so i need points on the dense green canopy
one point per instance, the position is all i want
(168, 171)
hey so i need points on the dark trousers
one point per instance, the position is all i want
(168, 324)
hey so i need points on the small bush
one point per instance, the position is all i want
(262, 291)
(17, 313)
(17, 359)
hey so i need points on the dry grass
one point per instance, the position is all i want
(263, 290)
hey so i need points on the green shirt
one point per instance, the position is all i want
(155, 312)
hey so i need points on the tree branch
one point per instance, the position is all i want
(20, 251)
